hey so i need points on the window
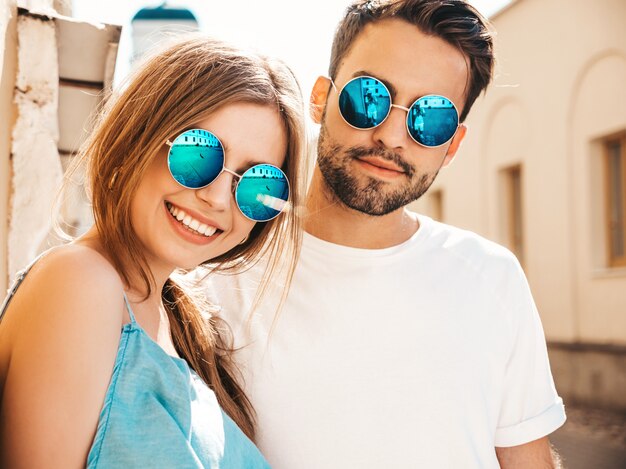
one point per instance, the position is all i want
(615, 177)
(436, 205)
(513, 210)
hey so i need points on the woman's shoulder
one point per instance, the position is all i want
(75, 269)
(78, 259)
(65, 286)
(63, 330)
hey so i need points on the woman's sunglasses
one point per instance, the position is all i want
(196, 159)
(365, 103)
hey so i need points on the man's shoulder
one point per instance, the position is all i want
(465, 246)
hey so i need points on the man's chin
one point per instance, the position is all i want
(370, 202)
(367, 211)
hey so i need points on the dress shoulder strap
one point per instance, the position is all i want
(129, 309)
(19, 278)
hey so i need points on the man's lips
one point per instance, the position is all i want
(385, 160)
(381, 163)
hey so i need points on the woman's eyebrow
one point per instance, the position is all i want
(243, 167)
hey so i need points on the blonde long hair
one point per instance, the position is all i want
(174, 88)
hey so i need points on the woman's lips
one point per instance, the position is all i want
(186, 233)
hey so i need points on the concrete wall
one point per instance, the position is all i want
(54, 72)
(591, 375)
(36, 166)
(8, 59)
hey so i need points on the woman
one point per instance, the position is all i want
(166, 168)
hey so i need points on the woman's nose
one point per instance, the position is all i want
(219, 194)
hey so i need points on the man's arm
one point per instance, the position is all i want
(538, 454)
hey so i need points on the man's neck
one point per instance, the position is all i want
(329, 219)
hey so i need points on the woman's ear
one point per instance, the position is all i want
(317, 102)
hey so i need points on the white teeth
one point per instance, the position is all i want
(191, 223)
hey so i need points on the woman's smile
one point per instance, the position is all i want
(192, 223)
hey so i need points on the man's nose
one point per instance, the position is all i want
(392, 132)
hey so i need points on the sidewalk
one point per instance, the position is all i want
(591, 439)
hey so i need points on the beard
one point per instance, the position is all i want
(372, 196)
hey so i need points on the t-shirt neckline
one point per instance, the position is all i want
(328, 248)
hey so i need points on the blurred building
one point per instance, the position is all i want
(543, 171)
(152, 24)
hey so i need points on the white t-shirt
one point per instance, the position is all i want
(427, 354)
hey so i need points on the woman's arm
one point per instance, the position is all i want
(64, 327)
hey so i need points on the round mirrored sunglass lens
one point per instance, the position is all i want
(262, 192)
(432, 120)
(196, 158)
(364, 102)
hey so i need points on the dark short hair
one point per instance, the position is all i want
(454, 21)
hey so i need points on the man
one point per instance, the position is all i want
(371, 103)
(403, 342)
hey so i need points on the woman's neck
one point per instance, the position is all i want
(135, 287)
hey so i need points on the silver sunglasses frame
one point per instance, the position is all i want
(170, 144)
(392, 105)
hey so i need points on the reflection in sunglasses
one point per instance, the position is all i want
(365, 102)
(196, 158)
(262, 192)
(272, 202)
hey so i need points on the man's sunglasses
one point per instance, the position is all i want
(365, 103)
(196, 159)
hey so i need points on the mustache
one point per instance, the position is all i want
(358, 152)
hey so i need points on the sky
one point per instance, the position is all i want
(296, 31)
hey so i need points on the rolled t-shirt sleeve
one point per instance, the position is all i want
(530, 407)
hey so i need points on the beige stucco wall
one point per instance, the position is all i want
(559, 87)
